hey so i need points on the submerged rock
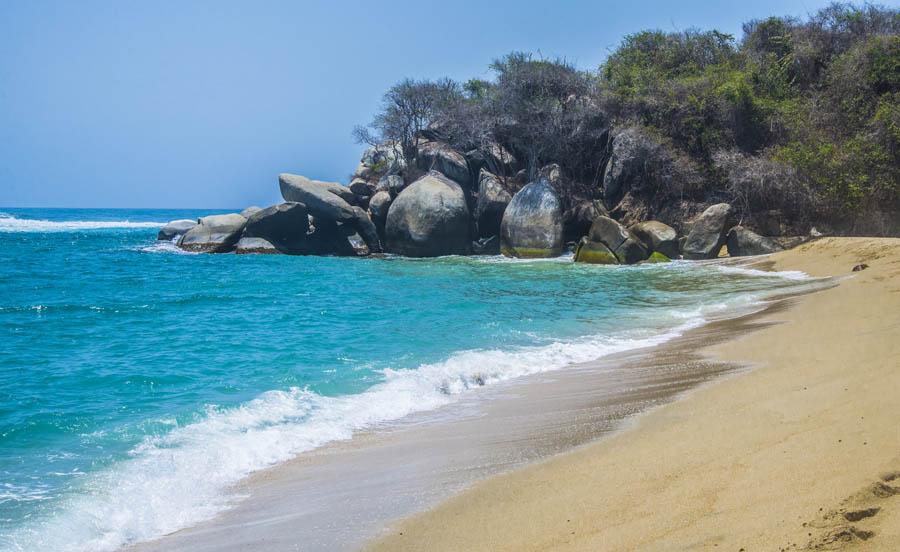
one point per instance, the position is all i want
(175, 229)
(532, 223)
(742, 241)
(707, 234)
(492, 201)
(657, 237)
(214, 234)
(429, 218)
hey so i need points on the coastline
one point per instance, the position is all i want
(803, 451)
(343, 494)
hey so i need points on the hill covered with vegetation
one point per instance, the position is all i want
(795, 124)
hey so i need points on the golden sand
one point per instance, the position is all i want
(802, 452)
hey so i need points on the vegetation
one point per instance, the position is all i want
(798, 116)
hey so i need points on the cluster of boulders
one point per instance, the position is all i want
(450, 203)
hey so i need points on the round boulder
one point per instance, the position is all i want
(285, 226)
(657, 237)
(214, 234)
(532, 224)
(429, 218)
(742, 241)
(707, 234)
(492, 201)
(175, 229)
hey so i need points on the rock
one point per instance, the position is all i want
(627, 247)
(257, 246)
(860, 267)
(438, 156)
(629, 150)
(494, 158)
(378, 208)
(360, 187)
(392, 183)
(248, 212)
(322, 202)
(532, 223)
(577, 220)
(214, 234)
(742, 241)
(331, 238)
(380, 160)
(708, 233)
(492, 201)
(657, 257)
(285, 226)
(429, 218)
(657, 237)
(175, 229)
(593, 252)
(489, 245)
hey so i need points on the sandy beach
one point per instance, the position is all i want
(801, 452)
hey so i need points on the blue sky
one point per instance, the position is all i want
(202, 104)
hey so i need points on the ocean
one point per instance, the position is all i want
(139, 383)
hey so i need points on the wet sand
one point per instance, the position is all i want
(802, 452)
(340, 496)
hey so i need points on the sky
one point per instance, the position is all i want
(200, 104)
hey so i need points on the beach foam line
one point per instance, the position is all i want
(181, 478)
(9, 223)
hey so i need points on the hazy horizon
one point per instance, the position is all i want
(173, 106)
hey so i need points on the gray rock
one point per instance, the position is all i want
(440, 157)
(627, 247)
(214, 234)
(578, 219)
(380, 160)
(492, 201)
(429, 218)
(331, 238)
(361, 187)
(175, 229)
(742, 241)
(392, 183)
(657, 237)
(494, 158)
(323, 203)
(708, 232)
(593, 252)
(629, 152)
(285, 226)
(532, 223)
(378, 208)
(254, 246)
(248, 212)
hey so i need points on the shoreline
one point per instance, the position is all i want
(800, 452)
(495, 430)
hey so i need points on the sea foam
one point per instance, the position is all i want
(9, 223)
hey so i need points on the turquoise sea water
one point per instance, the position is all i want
(137, 383)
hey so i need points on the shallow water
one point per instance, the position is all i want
(138, 384)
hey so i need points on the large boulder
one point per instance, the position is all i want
(627, 247)
(214, 234)
(494, 158)
(438, 156)
(429, 218)
(255, 246)
(657, 236)
(328, 237)
(378, 207)
(324, 202)
(285, 226)
(175, 229)
(630, 149)
(492, 201)
(392, 183)
(380, 160)
(707, 234)
(248, 212)
(742, 241)
(593, 252)
(361, 188)
(532, 224)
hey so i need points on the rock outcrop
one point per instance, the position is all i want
(324, 201)
(657, 237)
(707, 234)
(175, 229)
(490, 205)
(429, 218)
(285, 226)
(627, 247)
(532, 224)
(438, 156)
(214, 234)
(742, 241)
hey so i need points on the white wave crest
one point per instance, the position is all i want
(785, 274)
(182, 478)
(9, 223)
